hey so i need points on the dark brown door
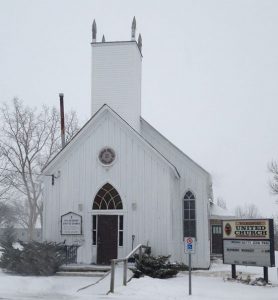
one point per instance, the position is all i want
(216, 236)
(107, 239)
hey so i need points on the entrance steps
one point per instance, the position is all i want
(100, 277)
(101, 286)
(83, 270)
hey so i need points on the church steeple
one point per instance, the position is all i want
(140, 42)
(94, 32)
(133, 29)
(116, 76)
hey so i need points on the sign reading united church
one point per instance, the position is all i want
(248, 242)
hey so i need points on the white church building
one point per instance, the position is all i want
(119, 182)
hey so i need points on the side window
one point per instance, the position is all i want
(189, 215)
(121, 230)
(94, 230)
(216, 229)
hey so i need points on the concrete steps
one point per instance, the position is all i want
(83, 274)
(83, 270)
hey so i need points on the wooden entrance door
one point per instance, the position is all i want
(107, 239)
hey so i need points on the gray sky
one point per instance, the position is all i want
(210, 71)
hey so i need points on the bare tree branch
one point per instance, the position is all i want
(28, 140)
(273, 183)
(249, 211)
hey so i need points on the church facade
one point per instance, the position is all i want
(119, 179)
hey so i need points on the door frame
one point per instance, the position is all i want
(118, 212)
(213, 236)
(107, 238)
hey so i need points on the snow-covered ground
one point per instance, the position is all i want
(206, 285)
(50, 288)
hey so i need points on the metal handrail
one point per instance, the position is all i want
(124, 260)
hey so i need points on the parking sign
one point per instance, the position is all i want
(189, 245)
(189, 248)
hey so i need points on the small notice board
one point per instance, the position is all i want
(71, 224)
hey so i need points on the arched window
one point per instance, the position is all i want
(107, 198)
(189, 215)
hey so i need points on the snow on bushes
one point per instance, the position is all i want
(156, 267)
(32, 258)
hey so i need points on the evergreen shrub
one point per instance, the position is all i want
(32, 258)
(156, 267)
(8, 237)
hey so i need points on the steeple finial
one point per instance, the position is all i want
(94, 32)
(140, 42)
(133, 29)
(103, 39)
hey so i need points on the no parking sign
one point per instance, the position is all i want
(189, 248)
(189, 245)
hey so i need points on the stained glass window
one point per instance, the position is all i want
(107, 198)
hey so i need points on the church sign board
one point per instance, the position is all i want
(248, 242)
(71, 224)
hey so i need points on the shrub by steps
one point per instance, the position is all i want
(157, 267)
(32, 258)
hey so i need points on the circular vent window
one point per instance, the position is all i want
(107, 156)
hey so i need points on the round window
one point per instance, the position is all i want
(107, 156)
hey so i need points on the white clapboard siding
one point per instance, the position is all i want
(193, 178)
(140, 174)
(116, 79)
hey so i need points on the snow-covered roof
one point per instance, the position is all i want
(217, 212)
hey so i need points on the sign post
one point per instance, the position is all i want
(189, 273)
(233, 271)
(189, 248)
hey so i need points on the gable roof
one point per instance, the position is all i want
(106, 107)
(144, 122)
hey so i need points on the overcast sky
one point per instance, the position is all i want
(209, 83)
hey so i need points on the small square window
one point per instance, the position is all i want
(94, 237)
(121, 226)
(121, 238)
(186, 214)
(186, 204)
(192, 214)
(94, 222)
(192, 204)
